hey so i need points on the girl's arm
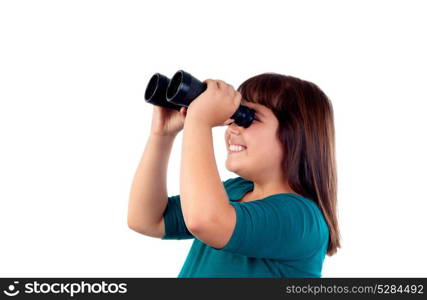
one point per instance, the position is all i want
(148, 195)
(203, 197)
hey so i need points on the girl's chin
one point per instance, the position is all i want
(232, 165)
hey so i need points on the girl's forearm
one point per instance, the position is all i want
(148, 195)
(202, 193)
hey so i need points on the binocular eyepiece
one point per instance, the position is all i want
(181, 90)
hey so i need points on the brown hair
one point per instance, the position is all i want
(306, 131)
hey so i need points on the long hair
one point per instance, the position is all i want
(307, 134)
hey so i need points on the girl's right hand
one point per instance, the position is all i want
(167, 121)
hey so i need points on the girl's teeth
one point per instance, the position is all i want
(236, 148)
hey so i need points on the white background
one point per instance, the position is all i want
(74, 123)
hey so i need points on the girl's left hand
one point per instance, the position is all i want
(216, 105)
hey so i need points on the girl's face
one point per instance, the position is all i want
(262, 153)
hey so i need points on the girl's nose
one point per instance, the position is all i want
(234, 129)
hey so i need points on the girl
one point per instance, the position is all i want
(278, 217)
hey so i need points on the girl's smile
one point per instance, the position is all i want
(233, 147)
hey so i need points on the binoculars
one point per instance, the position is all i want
(181, 90)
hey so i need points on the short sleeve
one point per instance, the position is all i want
(175, 228)
(277, 227)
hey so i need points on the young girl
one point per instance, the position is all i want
(278, 217)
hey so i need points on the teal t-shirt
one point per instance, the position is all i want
(282, 236)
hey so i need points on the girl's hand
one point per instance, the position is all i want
(167, 121)
(216, 105)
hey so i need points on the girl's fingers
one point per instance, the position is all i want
(226, 85)
(229, 121)
(219, 83)
(212, 84)
(237, 98)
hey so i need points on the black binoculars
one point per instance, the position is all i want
(181, 90)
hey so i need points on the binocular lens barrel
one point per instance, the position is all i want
(155, 93)
(181, 90)
(184, 88)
